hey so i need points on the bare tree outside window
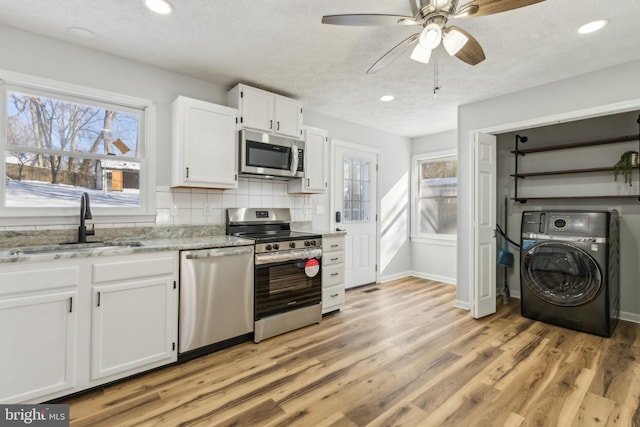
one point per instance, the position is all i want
(56, 149)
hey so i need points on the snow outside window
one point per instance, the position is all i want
(435, 195)
(60, 143)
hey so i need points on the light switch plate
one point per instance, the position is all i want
(319, 209)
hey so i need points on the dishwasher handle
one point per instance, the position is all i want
(222, 252)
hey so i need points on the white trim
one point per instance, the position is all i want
(436, 277)
(630, 317)
(333, 144)
(462, 305)
(145, 213)
(449, 240)
(395, 276)
(618, 107)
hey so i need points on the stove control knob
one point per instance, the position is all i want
(313, 243)
(276, 246)
(307, 243)
(268, 247)
(292, 244)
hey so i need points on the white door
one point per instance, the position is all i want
(483, 298)
(355, 199)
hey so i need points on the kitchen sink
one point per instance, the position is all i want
(66, 247)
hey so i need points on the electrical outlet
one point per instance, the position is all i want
(174, 210)
(319, 209)
(208, 209)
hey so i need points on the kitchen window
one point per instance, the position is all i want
(435, 195)
(61, 140)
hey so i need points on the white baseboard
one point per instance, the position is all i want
(396, 276)
(630, 317)
(436, 277)
(462, 304)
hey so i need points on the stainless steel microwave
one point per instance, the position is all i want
(270, 155)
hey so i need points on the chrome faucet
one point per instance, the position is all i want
(85, 213)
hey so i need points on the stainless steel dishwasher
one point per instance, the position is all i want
(216, 299)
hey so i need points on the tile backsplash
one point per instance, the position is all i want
(184, 206)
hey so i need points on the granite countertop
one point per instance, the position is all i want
(71, 251)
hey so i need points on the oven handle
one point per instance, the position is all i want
(215, 253)
(270, 258)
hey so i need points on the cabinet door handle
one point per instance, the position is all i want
(307, 182)
(278, 125)
(187, 172)
(70, 304)
(98, 299)
(270, 124)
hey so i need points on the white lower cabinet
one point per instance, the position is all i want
(332, 273)
(131, 327)
(57, 340)
(39, 339)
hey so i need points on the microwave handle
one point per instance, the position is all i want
(294, 160)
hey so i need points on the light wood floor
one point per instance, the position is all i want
(398, 354)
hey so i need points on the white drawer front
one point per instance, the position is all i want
(333, 296)
(333, 244)
(331, 258)
(332, 275)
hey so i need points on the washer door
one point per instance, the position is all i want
(560, 274)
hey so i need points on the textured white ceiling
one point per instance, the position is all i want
(281, 45)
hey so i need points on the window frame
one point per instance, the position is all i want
(416, 235)
(23, 216)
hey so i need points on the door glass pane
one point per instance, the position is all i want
(561, 274)
(357, 188)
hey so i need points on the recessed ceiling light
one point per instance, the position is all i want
(592, 26)
(81, 33)
(162, 7)
(386, 98)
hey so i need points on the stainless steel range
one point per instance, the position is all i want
(288, 273)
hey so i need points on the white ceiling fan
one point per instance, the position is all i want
(432, 15)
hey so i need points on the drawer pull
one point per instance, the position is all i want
(334, 274)
(335, 246)
(334, 259)
(334, 295)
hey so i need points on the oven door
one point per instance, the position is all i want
(287, 280)
(263, 154)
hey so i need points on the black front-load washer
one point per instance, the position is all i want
(569, 273)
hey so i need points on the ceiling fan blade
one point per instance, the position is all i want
(368, 20)
(471, 52)
(489, 7)
(392, 54)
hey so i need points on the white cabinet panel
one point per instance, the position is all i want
(333, 290)
(39, 345)
(315, 154)
(265, 111)
(204, 144)
(132, 326)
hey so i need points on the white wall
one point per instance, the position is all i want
(43, 57)
(434, 259)
(393, 185)
(606, 91)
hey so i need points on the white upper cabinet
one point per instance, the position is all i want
(205, 150)
(315, 178)
(266, 111)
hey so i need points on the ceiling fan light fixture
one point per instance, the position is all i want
(453, 41)
(592, 26)
(163, 7)
(421, 54)
(431, 36)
